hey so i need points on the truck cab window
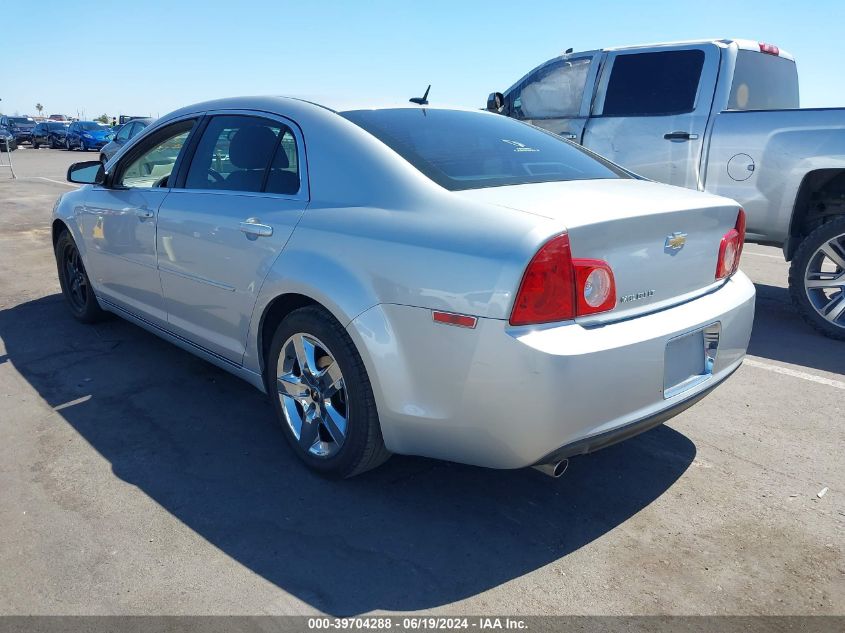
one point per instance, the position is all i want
(763, 82)
(653, 83)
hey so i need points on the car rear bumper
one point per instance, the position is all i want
(507, 397)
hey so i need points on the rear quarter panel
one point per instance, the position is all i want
(782, 146)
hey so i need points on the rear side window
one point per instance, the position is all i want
(472, 150)
(555, 90)
(763, 82)
(245, 153)
(653, 83)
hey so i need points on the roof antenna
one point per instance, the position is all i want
(567, 51)
(421, 100)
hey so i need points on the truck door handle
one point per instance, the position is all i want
(253, 228)
(680, 136)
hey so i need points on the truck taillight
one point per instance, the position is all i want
(556, 287)
(769, 49)
(730, 250)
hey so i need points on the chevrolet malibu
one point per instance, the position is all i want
(414, 280)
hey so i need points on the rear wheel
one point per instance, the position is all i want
(817, 278)
(35, 145)
(74, 281)
(67, 144)
(322, 395)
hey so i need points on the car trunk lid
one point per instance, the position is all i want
(662, 242)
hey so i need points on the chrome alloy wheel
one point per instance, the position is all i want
(824, 280)
(313, 395)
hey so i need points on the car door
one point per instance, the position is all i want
(225, 223)
(554, 95)
(651, 110)
(119, 223)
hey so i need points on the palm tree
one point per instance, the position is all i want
(39, 107)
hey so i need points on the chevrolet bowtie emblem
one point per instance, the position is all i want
(674, 242)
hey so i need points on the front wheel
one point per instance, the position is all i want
(76, 287)
(322, 395)
(817, 279)
(67, 144)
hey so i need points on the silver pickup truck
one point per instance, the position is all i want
(721, 116)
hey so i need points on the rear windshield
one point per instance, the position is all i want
(763, 82)
(471, 150)
(90, 125)
(21, 119)
(56, 126)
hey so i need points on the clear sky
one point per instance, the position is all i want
(150, 57)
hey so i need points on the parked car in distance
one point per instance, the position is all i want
(19, 126)
(7, 140)
(720, 116)
(50, 133)
(58, 117)
(125, 118)
(425, 281)
(122, 134)
(87, 135)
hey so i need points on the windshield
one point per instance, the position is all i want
(91, 125)
(56, 126)
(471, 150)
(21, 119)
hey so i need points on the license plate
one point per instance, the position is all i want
(689, 359)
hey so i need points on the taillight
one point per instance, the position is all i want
(596, 286)
(556, 287)
(730, 250)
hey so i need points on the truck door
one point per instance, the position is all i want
(651, 110)
(553, 95)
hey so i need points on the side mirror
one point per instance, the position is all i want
(496, 102)
(90, 172)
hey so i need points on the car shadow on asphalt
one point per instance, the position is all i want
(413, 534)
(780, 334)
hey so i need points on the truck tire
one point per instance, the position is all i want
(817, 278)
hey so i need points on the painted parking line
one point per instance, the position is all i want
(58, 182)
(794, 373)
(747, 252)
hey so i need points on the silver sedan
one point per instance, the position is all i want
(415, 280)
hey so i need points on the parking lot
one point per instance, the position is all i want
(135, 478)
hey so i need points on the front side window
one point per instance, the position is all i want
(763, 82)
(556, 90)
(472, 150)
(653, 84)
(245, 153)
(153, 162)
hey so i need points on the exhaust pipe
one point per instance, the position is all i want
(554, 469)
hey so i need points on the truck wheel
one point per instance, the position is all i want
(322, 395)
(817, 279)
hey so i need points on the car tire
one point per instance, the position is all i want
(74, 281)
(35, 145)
(823, 307)
(348, 402)
(82, 147)
(67, 144)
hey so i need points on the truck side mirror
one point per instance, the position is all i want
(496, 102)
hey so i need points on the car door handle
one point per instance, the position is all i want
(254, 228)
(680, 136)
(144, 214)
(568, 135)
